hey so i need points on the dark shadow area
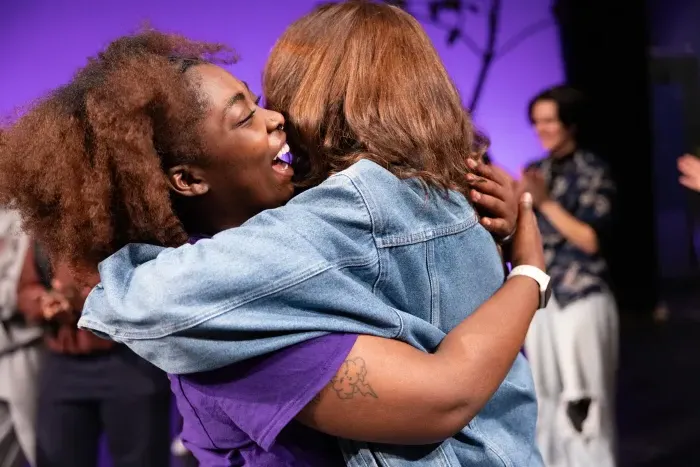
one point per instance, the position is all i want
(659, 384)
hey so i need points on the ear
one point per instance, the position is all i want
(187, 180)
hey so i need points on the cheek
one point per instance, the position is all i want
(559, 133)
(543, 132)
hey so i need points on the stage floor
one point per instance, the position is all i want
(659, 387)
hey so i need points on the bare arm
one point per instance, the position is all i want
(389, 392)
(575, 231)
(593, 213)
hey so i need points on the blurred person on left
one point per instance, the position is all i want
(87, 384)
(20, 351)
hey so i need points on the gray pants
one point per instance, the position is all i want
(19, 372)
(573, 353)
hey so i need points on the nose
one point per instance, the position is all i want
(275, 122)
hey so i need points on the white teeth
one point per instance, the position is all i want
(284, 150)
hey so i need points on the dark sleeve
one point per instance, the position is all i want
(30, 289)
(595, 203)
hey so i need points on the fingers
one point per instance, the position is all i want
(527, 243)
(480, 169)
(526, 213)
(690, 182)
(498, 213)
(497, 226)
(527, 221)
(53, 303)
(489, 203)
(486, 186)
(50, 309)
(493, 196)
(689, 165)
(490, 172)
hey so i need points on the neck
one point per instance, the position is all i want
(566, 148)
(208, 221)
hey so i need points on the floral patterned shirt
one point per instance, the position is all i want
(581, 183)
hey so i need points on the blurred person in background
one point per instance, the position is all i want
(89, 386)
(572, 345)
(689, 166)
(20, 351)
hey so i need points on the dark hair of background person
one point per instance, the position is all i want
(572, 108)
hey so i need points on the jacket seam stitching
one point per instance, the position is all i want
(373, 223)
(413, 238)
(233, 304)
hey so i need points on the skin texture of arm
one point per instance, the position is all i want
(577, 232)
(389, 392)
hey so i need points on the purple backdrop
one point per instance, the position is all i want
(44, 41)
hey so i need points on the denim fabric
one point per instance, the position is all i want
(363, 253)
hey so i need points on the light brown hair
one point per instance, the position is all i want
(362, 80)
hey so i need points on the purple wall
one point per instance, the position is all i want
(44, 41)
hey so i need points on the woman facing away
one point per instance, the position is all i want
(332, 282)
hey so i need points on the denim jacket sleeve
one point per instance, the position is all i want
(287, 275)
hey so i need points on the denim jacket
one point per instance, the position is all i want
(362, 253)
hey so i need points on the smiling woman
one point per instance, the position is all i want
(392, 201)
(172, 140)
(150, 141)
(240, 144)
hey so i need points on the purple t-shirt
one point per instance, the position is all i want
(243, 414)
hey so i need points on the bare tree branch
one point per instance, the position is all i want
(468, 41)
(489, 53)
(523, 35)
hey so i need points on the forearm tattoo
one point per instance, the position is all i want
(351, 380)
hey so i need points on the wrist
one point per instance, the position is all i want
(546, 205)
(530, 289)
(538, 277)
(536, 261)
(508, 238)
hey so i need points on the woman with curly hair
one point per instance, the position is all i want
(167, 147)
(90, 386)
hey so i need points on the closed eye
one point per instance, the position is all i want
(252, 112)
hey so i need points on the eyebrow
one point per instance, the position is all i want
(233, 100)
